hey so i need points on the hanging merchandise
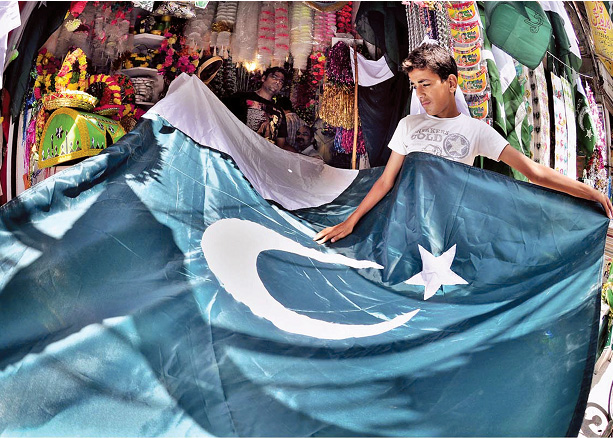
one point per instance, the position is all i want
(478, 106)
(174, 58)
(597, 166)
(197, 30)
(465, 33)
(177, 9)
(466, 39)
(324, 28)
(281, 41)
(225, 16)
(337, 100)
(473, 81)
(520, 28)
(343, 141)
(560, 123)
(266, 34)
(245, 38)
(571, 129)
(229, 77)
(301, 36)
(539, 146)
(303, 93)
(467, 57)
(461, 11)
(416, 30)
(343, 18)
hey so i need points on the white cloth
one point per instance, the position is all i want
(310, 151)
(9, 20)
(459, 138)
(460, 102)
(293, 180)
(371, 72)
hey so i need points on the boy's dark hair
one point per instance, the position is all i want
(433, 57)
(273, 70)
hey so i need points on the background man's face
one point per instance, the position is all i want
(304, 138)
(273, 83)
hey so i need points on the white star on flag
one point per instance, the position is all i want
(436, 271)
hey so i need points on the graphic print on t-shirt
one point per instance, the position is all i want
(442, 143)
(258, 113)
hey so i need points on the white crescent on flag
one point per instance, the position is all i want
(233, 245)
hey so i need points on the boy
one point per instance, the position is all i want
(444, 131)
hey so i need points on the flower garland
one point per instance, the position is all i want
(46, 67)
(111, 91)
(318, 66)
(65, 78)
(343, 18)
(175, 58)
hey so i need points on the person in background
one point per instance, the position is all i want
(259, 112)
(291, 118)
(305, 142)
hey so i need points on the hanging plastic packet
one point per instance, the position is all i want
(465, 33)
(467, 56)
(461, 11)
(473, 81)
(478, 106)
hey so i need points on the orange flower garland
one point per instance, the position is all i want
(46, 66)
(64, 79)
(111, 94)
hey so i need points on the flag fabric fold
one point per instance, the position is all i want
(132, 288)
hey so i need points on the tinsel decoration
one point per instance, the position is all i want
(336, 103)
(343, 18)
(301, 37)
(266, 34)
(225, 17)
(343, 141)
(244, 40)
(339, 65)
(281, 47)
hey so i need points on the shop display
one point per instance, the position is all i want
(125, 55)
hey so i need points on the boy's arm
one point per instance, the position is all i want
(547, 177)
(379, 189)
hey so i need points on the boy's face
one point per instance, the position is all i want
(436, 96)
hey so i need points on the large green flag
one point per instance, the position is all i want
(509, 102)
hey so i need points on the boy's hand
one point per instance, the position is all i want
(606, 203)
(334, 233)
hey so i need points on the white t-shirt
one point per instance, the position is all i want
(460, 138)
